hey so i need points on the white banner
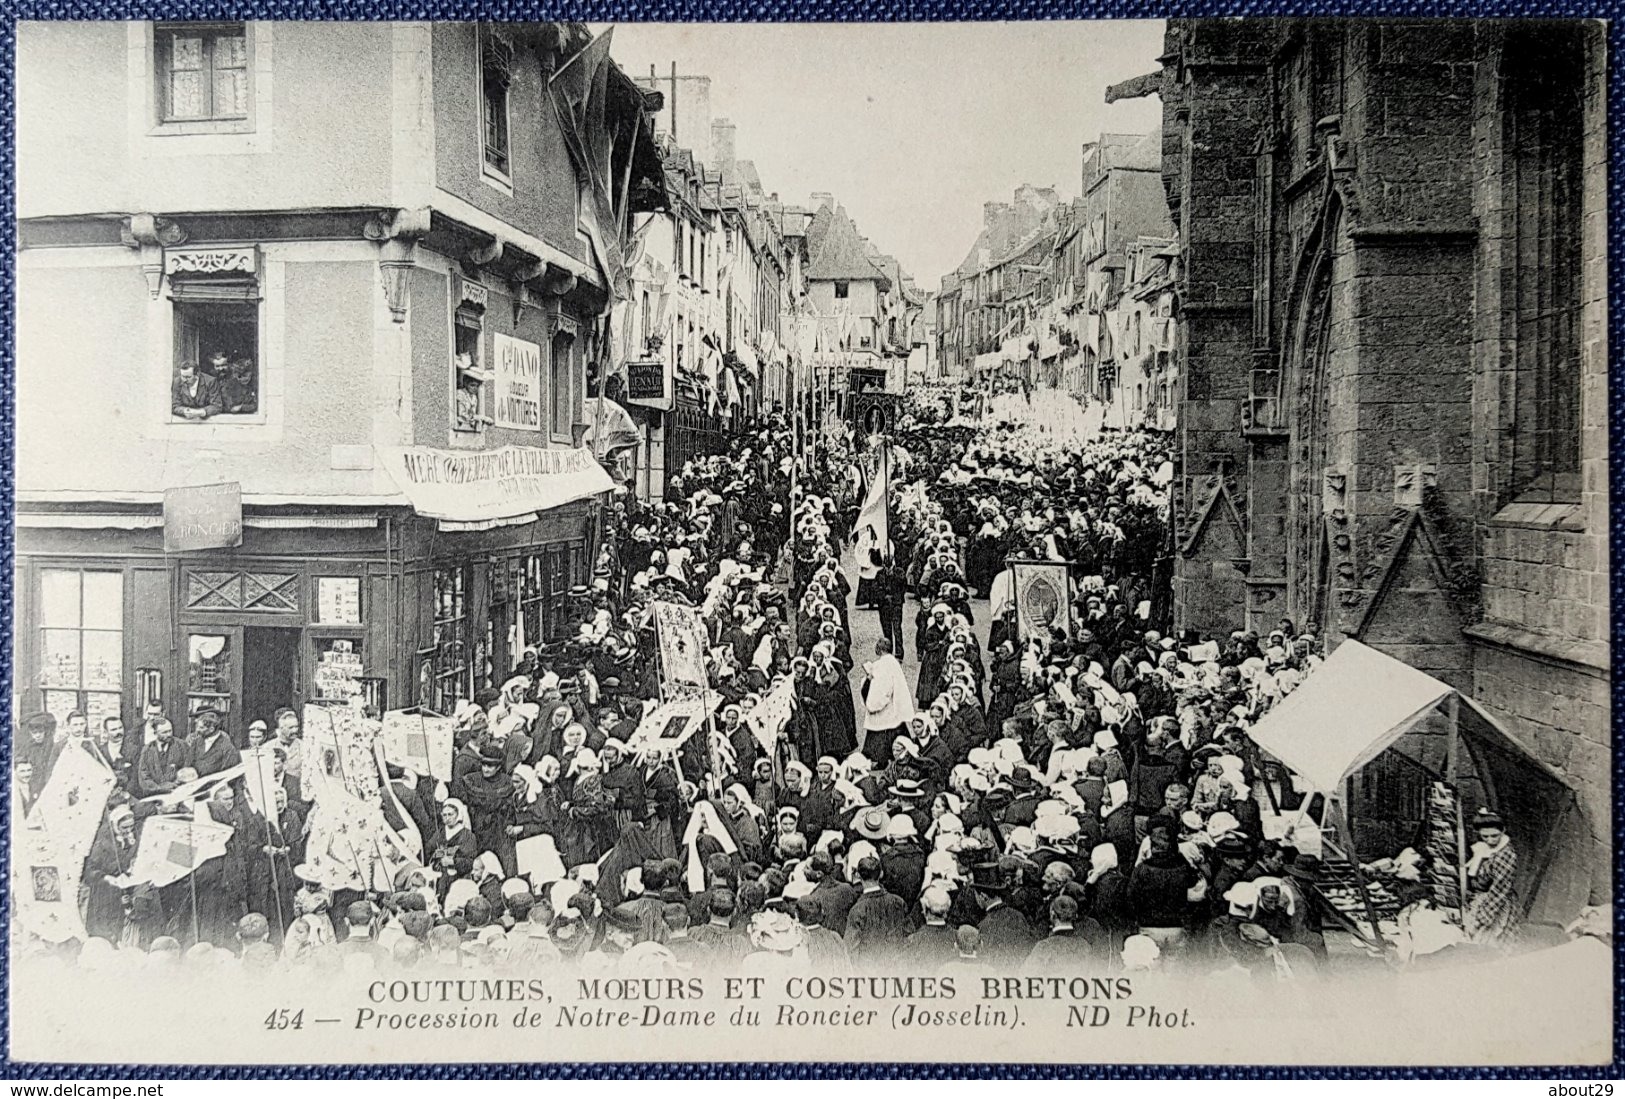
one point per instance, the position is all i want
(509, 483)
(682, 645)
(517, 373)
(419, 741)
(1043, 596)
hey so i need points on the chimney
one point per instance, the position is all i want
(722, 146)
(821, 199)
(992, 211)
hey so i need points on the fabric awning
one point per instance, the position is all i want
(476, 490)
(1355, 705)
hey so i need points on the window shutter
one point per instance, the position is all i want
(207, 290)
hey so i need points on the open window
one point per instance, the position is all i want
(470, 374)
(215, 294)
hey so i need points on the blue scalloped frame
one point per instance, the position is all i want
(811, 11)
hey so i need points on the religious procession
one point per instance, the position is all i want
(727, 766)
(671, 584)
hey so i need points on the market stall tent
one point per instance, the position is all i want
(1361, 703)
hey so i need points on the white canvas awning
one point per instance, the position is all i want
(1343, 716)
(477, 490)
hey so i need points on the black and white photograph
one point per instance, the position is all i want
(1010, 542)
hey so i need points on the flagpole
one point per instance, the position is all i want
(272, 826)
(191, 876)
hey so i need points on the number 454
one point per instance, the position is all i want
(283, 1019)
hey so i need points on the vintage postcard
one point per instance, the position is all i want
(1004, 542)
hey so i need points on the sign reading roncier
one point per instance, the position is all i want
(203, 517)
(508, 483)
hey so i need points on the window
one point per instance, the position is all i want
(209, 683)
(558, 591)
(450, 677)
(471, 378)
(203, 72)
(561, 391)
(1545, 102)
(496, 76)
(647, 330)
(216, 299)
(82, 642)
(216, 361)
(338, 667)
(842, 289)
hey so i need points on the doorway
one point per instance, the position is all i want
(270, 673)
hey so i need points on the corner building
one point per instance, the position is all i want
(379, 229)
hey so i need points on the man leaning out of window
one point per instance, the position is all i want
(196, 396)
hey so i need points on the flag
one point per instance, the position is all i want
(259, 780)
(768, 717)
(668, 726)
(338, 753)
(873, 519)
(71, 805)
(682, 645)
(418, 741)
(351, 846)
(173, 847)
(45, 887)
(197, 790)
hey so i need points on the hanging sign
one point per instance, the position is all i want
(203, 517)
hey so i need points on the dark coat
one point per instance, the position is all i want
(1156, 890)
(876, 926)
(1007, 937)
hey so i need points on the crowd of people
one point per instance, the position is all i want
(1074, 794)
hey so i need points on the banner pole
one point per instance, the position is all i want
(191, 876)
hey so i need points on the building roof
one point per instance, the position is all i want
(840, 253)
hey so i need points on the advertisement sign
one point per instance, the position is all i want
(517, 374)
(648, 383)
(203, 517)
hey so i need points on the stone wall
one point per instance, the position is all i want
(1375, 153)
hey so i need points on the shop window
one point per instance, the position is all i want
(82, 642)
(561, 387)
(558, 592)
(452, 667)
(203, 75)
(209, 664)
(532, 602)
(338, 672)
(471, 375)
(496, 78)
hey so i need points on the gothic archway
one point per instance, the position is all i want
(1304, 357)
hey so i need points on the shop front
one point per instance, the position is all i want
(415, 599)
(109, 622)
